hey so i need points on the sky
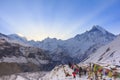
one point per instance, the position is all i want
(61, 19)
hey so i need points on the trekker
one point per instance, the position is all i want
(69, 64)
(72, 66)
(80, 71)
(74, 74)
(115, 75)
(85, 71)
(76, 70)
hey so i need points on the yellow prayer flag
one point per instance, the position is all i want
(110, 74)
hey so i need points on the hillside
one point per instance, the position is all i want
(107, 54)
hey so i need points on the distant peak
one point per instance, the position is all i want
(3, 35)
(49, 39)
(97, 27)
(17, 36)
(13, 35)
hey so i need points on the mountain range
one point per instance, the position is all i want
(95, 45)
(105, 55)
(74, 49)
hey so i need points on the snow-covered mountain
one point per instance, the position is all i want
(79, 47)
(49, 44)
(107, 56)
(18, 38)
(109, 53)
(74, 49)
(27, 58)
(84, 44)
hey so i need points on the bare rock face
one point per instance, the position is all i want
(9, 68)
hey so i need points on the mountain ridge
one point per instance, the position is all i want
(77, 48)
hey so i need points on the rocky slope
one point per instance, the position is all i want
(16, 58)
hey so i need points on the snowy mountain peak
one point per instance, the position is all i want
(18, 37)
(96, 32)
(49, 40)
(98, 28)
(2, 35)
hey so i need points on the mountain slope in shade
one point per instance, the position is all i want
(109, 53)
(16, 58)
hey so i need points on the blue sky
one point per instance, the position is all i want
(62, 19)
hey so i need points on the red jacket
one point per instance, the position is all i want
(74, 74)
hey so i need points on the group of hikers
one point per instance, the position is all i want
(93, 71)
(77, 70)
